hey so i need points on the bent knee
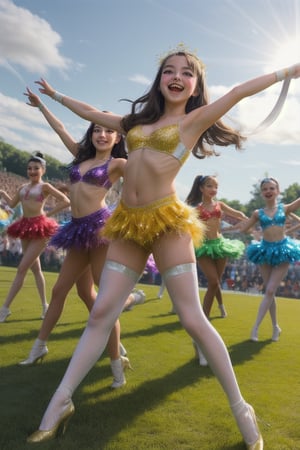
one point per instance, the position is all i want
(193, 325)
(270, 291)
(98, 313)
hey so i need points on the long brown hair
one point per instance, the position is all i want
(86, 149)
(195, 195)
(150, 107)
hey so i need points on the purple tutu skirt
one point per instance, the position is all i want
(151, 266)
(82, 233)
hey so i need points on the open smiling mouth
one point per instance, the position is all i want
(175, 87)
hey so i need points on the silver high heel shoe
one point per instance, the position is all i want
(37, 353)
(4, 313)
(276, 333)
(123, 351)
(139, 297)
(44, 311)
(62, 423)
(254, 334)
(223, 311)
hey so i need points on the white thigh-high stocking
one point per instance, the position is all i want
(272, 281)
(273, 312)
(117, 281)
(264, 307)
(182, 284)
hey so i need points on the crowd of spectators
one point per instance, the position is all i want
(10, 182)
(11, 253)
(240, 275)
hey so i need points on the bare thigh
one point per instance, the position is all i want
(212, 268)
(31, 252)
(273, 276)
(74, 265)
(172, 250)
(129, 254)
(97, 259)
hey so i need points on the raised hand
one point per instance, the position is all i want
(33, 99)
(45, 88)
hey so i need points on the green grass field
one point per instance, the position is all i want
(169, 401)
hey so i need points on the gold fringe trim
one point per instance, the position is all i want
(145, 224)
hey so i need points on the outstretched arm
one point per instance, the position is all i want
(293, 206)
(54, 122)
(200, 119)
(232, 212)
(245, 225)
(293, 228)
(82, 109)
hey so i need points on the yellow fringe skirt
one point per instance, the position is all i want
(144, 224)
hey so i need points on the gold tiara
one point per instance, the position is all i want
(180, 48)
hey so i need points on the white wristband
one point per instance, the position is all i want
(284, 73)
(41, 106)
(58, 97)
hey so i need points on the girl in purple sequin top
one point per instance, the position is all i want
(99, 161)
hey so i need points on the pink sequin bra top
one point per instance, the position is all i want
(205, 214)
(32, 192)
(165, 140)
(98, 176)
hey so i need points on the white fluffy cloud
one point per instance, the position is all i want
(28, 41)
(26, 129)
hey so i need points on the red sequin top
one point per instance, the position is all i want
(205, 214)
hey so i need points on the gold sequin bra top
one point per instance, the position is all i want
(165, 140)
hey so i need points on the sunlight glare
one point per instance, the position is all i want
(287, 54)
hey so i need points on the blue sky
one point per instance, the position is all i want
(100, 52)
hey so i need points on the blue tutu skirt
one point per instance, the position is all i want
(82, 233)
(221, 248)
(274, 253)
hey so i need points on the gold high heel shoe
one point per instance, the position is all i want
(47, 435)
(118, 367)
(259, 444)
(125, 363)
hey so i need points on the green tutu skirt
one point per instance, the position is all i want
(221, 248)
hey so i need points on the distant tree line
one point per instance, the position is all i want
(15, 161)
(287, 196)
